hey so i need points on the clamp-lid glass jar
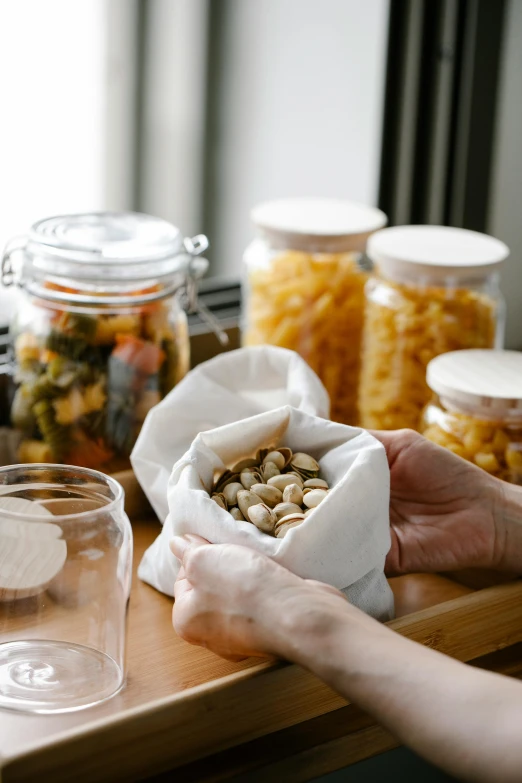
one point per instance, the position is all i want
(477, 410)
(436, 290)
(304, 288)
(100, 335)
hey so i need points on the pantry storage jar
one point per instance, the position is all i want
(435, 290)
(100, 334)
(476, 411)
(304, 288)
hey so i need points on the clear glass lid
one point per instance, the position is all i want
(105, 251)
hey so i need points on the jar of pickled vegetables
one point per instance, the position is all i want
(100, 335)
(304, 288)
(436, 289)
(477, 409)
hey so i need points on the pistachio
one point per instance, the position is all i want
(276, 457)
(284, 480)
(260, 456)
(269, 470)
(315, 483)
(283, 509)
(293, 494)
(287, 454)
(244, 463)
(286, 523)
(249, 477)
(305, 465)
(220, 500)
(236, 513)
(269, 495)
(230, 492)
(245, 500)
(262, 517)
(314, 497)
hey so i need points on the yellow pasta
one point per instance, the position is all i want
(313, 304)
(407, 326)
(494, 446)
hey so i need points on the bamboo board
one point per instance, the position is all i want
(182, 703)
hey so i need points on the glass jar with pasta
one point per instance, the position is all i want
(435, 290)
(304, 288)
(477, 409)
(100, 335)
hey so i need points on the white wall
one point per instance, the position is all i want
(301, 109)
(506, 206)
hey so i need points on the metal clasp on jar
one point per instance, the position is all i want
(195, 271)
(8, 272)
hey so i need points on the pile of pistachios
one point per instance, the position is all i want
(275, 490)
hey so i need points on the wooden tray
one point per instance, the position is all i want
(182, 704)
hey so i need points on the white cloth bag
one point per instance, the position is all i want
(344, 542)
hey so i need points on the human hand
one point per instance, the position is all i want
(445, 513)
(239, 603)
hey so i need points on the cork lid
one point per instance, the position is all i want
(319, 225)
(486, 381)
(437, 252)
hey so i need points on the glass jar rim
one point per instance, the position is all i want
(116, 488)
(103, 258)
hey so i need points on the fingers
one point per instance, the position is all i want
(180, 545)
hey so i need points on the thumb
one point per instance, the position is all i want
(180, 545)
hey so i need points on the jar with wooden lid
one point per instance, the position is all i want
(435, 289)
(476, 411)
(100, 333)
(304, 288)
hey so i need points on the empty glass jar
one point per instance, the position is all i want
(436, 289)
(477, 409)
(304, 288)
(100, 335)
(65, 577)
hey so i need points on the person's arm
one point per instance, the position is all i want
(237, 602)
(467, 721)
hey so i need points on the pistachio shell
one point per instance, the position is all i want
(244, 463)
(293, 494)
(269, 495)
(269, 470)
(305, 465)
(246, 499)
(230, 492)
(314, 497)
(262, 517)
(236, 513)
(283, 509)
(287, 454)
(248, 478)
(286, 523)
(233, 477)
(297, 478)
(220, 500)
(284, 480)
(261, 454)
(315, 483)
(221, 480)
(276, 457)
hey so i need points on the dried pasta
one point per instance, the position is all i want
(406, 326)
(313, 304)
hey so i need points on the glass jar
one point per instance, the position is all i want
(66, 554)
(304, 288)
(100, 335)
(436, 289)
(477, 409)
